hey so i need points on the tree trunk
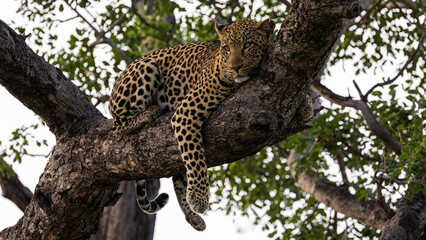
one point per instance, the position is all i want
(125, 220)
(409, 222)
(88, 162)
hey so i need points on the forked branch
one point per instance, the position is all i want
(367, 114)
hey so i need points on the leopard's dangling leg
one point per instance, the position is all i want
(147, 206)
(180, 185)
(198, 189)
(187, 122)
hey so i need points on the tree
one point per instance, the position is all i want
(88, 161)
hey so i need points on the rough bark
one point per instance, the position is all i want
(124, 220)
(84, 171)
(409, 222)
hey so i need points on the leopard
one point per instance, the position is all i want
(192, 80)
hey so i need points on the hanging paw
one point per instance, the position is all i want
(196, 222)
(198, 198)
(179, 184)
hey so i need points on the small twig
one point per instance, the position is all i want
(37, 155)
(98, 41)
(317, 110)
(355, 151)
(381, 200)
(286, 3)
(403, 13)
(219, 16)
(251, 10)
(342, 167)
(65, 20)
(90, 14)
(25, 36)
(316, 206)
(101, 34)
(101, 99)
(154, 27)
(384, 177)
(335, 225)
(359, 91)
(420, 45)
(117, 22)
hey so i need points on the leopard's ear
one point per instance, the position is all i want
(267, 27)
(220, 28)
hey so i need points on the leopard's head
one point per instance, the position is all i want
(243, 44)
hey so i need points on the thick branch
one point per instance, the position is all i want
(15, 191)
(409, 222)
(338, 198)
(40, 86)
(82, 175)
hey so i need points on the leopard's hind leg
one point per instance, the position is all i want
(130, 124)
(180, 184)
(133, 101)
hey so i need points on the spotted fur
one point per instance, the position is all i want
(194, 79)
(180, 184)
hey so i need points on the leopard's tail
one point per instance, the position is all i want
(147, 206)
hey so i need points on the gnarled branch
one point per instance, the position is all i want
(337, 198)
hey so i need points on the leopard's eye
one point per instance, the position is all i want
(226, 48)
(247, 44)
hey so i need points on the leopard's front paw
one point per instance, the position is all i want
(196, 222)
(198, 201)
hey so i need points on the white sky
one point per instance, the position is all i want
(219, 226)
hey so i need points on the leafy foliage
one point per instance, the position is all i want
(339, 147)
(22, 139)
